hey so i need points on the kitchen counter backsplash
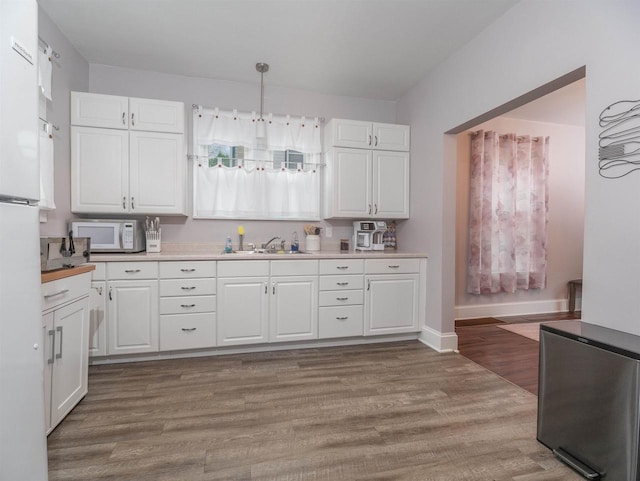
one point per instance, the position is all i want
(214, 251)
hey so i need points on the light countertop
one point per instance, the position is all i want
(193, 252)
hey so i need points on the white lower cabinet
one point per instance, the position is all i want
(132, 307)
(98, 319)
(341, 298)
(187, 305)
(243, 310)
(293, 312)
(66, 351)
(392, 296)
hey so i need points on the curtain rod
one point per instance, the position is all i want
(196, 106)
(519, 137)
(55, 54)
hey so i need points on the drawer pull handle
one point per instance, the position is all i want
(188, 329)
(342, 318)
(187, 270)
(342, 267)
(187, 305)
(59, 293)
(342, 283)
(132, 271)
(188, 288)
(342, 298)
(123, 119)
(393, 267)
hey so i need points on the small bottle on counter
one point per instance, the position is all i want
(228, 249)
(344, 244)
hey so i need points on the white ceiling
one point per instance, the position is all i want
(363, 48)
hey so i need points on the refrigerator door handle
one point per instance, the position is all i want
(59, 355)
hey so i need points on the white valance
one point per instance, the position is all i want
(272, 132)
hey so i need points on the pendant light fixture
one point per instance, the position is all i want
(260, 130)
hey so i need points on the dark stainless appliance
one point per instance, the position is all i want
(588, 400)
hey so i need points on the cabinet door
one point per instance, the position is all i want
(48, 333)
(156, 115)
(99, 170)
(98, 319)
(391, 185)
(391, 304)
(242, 310)
(157, 173)
(352, 183)
(294, 308)
(133, 316)
(351, 133)
(71, 358)
(391, 137)
(97, 110)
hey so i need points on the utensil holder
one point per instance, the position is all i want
(153, 241)
(312, 243)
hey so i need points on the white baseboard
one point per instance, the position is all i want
(512, 309)
(439, 341)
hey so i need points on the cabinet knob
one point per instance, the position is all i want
(342, 318)
(187, 306)
(188, 329)
(132, 271)
(188, 288)
(187, 270)
(342, 283)
(342, 267)
(342, 298)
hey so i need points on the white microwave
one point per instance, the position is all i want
(110, 235)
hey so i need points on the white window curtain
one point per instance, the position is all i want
(257, 186)
(508, 213)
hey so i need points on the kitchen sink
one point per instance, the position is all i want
(260, 252)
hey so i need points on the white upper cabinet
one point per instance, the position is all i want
(357, 134)
(127, 155)
(96, 110)
(366, 174)
(156, 115)
(156, 180)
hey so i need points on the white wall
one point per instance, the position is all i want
(565, 228)
(69, 72)
(229, 95)
(532, 44)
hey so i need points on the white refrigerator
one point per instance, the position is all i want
(23, 445)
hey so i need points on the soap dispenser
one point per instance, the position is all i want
(228, 249)
(294, 242)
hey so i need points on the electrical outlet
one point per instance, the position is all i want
(328, 231)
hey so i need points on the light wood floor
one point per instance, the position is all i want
(396, 411)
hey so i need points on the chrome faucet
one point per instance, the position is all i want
(266, 244)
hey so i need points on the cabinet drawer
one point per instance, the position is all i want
(187, 305)
(187, 331)
(340, 321)
(187, 287)
(61, 291)
(391, 266)
(294, 268)
(183, 270)
(345, 266)
(341, 298)
(132, 270)
(243, 268)
(100, 274)
(340, 283)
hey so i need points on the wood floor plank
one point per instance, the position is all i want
(396, 411)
